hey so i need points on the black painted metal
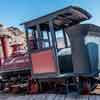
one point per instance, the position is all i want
(80, 55)
(48, 39)
(65, 39)
(54, 42)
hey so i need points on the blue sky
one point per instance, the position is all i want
(14, 12)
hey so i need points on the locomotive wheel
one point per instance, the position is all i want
(6, 88)
(1, 86)
(15, 90)
(33, 87)
(84, 86)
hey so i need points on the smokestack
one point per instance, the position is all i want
(4, 44)
(4, 35)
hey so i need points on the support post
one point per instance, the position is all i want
(34, 39)
(48, 38)
(54, 43)
(66, 86)
(27, 39)
(39, 36)
(65, 39)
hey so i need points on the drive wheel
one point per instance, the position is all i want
(33, 87)
(15, 90)
(84, 86)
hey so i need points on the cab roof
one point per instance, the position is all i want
(65, 17)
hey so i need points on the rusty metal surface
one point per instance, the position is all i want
(15, 63)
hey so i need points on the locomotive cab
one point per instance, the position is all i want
(58, 47)
(49, 44)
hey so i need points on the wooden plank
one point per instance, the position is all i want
(59, 97)
(74, 96)
(93, 97)
(49, 97)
